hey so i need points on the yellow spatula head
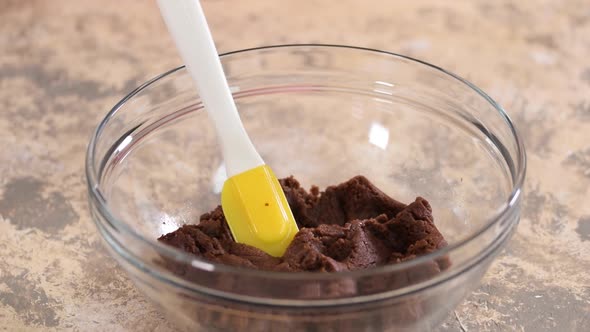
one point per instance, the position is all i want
(257, 211)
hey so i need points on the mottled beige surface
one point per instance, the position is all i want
(63, 64)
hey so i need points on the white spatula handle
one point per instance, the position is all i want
(187, 25)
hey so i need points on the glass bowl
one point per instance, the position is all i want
(324, 114)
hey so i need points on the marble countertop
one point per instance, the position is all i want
(63, 64)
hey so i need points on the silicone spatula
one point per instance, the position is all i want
(252, 199)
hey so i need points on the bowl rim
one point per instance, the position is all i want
(93, 174)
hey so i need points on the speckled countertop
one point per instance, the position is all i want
(63, 64)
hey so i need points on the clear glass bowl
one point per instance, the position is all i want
(324, 114)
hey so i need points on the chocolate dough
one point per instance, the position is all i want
(350, 226)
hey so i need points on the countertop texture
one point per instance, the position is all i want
(64, 64)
